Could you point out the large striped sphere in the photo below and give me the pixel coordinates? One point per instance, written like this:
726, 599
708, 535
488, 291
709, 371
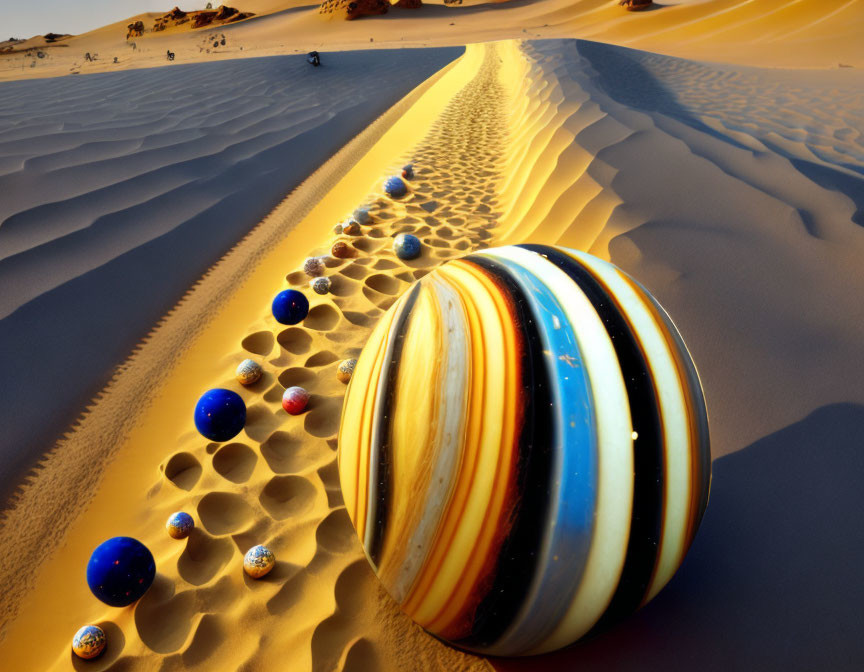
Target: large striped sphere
524, 449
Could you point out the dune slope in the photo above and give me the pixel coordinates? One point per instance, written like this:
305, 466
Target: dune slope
733, 193
120, 190
737, 196
277, 483
775, 33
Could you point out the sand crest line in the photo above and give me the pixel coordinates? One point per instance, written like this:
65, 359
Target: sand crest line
37, 509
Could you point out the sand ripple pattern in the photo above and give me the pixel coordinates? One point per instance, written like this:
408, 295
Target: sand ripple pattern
119, 190
810, 115
726, 192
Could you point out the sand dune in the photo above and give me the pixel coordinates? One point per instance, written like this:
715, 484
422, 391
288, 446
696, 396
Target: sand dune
734, 192
724, 190
736, 195
279, 481
747, 230
120, 190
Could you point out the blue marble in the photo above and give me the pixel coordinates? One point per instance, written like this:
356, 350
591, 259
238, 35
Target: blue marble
290, 307
220, 414
395, 187
120, 571
406, 246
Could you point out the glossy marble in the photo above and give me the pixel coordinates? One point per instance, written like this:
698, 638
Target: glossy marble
524, 449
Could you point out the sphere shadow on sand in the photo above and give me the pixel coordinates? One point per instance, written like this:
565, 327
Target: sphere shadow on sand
773, 579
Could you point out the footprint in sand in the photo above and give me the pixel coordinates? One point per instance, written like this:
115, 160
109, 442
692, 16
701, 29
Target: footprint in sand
203, 558
285, 454
224, 512
183, 470
335, 533
329, 647
322, 318
235, 461
259, 343
383, 283
287, 496
294, 340
322, 358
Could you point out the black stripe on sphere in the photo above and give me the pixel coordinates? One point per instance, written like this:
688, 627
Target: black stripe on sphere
700, 449
517, 559
383, 486
646, 523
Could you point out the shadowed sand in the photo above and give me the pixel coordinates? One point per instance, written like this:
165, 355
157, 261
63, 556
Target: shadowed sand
743, 219
120, 190
769, 582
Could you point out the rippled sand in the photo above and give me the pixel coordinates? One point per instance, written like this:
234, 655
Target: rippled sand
733, 192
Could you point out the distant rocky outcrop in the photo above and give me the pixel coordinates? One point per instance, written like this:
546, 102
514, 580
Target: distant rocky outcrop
636, 5
224, 13
354, 9
135, 29
50, 38
201, 18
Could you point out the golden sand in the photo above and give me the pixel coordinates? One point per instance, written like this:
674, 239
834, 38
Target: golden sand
277, 483
512, 144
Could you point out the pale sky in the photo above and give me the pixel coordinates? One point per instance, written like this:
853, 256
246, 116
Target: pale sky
26, 18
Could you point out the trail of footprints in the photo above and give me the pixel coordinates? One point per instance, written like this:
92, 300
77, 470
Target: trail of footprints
278, 484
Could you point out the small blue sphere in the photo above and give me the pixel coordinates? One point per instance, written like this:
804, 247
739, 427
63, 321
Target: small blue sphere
395, 187
290, 307
220, 414
406, 246
120, 571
